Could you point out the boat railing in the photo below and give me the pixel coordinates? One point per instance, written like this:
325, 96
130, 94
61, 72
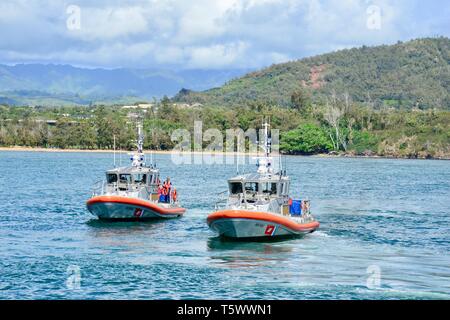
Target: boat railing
240, 201
305, 216
306, 211
144, 193
102, 187
98, 188
223, 200
274, 206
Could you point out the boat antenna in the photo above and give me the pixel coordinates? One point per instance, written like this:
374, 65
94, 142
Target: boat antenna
257, 144
237, 156
285, 165
267, 141
151, 152
138, 157
151, 158
279, 161
140, 142
114, 138
264, 163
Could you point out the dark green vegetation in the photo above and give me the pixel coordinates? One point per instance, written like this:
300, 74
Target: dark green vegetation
385, 100
340, 127
414, 74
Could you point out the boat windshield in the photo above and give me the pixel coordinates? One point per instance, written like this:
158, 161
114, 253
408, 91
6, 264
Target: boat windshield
266, 188
251, 187
111, 178
140, 178
235, 187
269, 188
125, 178
137, 178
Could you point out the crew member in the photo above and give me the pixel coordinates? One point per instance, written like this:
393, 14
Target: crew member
167, 188
174, 194
161, 195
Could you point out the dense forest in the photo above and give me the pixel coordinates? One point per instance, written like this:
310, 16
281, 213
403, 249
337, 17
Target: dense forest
414, 74
340, 127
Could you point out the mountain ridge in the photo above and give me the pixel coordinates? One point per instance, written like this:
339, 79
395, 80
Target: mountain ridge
408, 74
27, 84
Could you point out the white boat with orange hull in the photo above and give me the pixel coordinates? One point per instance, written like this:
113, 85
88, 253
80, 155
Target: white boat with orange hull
252, 224
131, 193
126, 208
258, 205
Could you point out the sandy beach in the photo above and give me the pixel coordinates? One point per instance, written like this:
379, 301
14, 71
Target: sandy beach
31, 149
252, 154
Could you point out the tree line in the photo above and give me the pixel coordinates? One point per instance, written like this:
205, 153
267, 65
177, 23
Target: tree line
336, 126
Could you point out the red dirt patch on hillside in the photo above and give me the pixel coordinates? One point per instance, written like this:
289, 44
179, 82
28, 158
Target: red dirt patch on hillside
315, 77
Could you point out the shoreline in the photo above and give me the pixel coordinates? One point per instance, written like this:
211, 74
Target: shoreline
319, 155
56, 150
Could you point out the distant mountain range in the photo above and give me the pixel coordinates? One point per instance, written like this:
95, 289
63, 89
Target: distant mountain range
41, 84
405, 75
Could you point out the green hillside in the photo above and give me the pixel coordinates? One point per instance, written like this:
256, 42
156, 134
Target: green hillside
405, 75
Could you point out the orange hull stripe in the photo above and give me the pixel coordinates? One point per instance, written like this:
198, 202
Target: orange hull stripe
135, 202
263, 216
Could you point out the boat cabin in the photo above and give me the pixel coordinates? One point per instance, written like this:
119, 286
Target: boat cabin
256, 187
132, 179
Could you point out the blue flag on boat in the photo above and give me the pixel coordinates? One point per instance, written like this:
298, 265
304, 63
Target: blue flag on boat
296, 208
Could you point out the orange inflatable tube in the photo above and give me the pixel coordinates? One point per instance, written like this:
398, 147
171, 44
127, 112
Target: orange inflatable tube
263, 216
135, 202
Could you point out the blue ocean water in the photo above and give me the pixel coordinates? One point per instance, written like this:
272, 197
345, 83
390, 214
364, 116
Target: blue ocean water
385, 234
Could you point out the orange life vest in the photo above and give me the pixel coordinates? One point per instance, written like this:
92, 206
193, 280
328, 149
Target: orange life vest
167, 186
174, 195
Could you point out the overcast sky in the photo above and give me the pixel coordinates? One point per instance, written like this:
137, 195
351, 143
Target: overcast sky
205, 34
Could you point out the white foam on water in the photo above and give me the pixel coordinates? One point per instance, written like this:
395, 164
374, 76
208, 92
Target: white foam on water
322, 234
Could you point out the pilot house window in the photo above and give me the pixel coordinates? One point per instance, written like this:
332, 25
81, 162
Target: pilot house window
111, 178
269, 188
125, 178
251, 187
235, 187
140, 178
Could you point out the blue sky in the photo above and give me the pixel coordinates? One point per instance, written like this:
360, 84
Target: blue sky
205, 34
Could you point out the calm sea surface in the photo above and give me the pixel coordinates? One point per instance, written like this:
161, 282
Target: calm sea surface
385, 234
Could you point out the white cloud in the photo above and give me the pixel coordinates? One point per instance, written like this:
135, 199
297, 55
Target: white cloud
110, 23
201, 21
216, 56
169, 54
204, 33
